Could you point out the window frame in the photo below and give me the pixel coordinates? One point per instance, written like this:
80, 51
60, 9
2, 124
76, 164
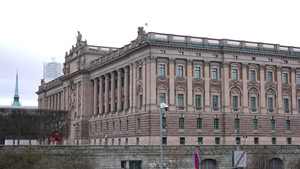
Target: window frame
179, 71
162, 70
214, 73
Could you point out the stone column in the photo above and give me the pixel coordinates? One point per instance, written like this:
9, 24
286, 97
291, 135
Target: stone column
49, 102
144, 80
226, 92
112, 92
106, 93
134, 82
95, 93
189, 71
130, 87
59, 100
262, 90
171, 84
294, 93
152, 84
101, 95
245, 88
279, 90
207, 71
126, 89
63, 99
119, 90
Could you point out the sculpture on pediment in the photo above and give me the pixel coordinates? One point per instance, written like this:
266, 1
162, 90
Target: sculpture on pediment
141, 35
79, 37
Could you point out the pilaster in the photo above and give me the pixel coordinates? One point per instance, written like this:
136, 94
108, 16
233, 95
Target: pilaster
171, 84
126, 89
106, 93
119, 104
207, 106
245, 88
152, 84
226, 92
112, 94
95, 92
101, 95
294, 93
189, 85
279, 90
262, 90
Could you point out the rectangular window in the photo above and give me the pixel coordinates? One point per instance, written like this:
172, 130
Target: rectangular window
162, 51
272, 124
216, 124
200, 140
217, 140
270, 103
285, 78
137, 141
285, 62
215, 102
256, 141
252, 75
140, 72
181, 123
113, 126
180, 53
273, 140
286, 104
139, 123
180, 100
299, 104
182, 141
120, 125
198, 101
237, 124
254, 124
161, 71
234, 74
270, 77
215, 55
162, 98
253, 103
197, 72
198, 54
164, 122
234, 102
288, 125
127, 125
289, 140
234, 57
270, 60
199, 123
298, 78
164, 141
214, 73
238, 140
253, 58
179, 71
141, 101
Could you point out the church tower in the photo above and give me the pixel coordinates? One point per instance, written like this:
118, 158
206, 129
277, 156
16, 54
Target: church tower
16, 96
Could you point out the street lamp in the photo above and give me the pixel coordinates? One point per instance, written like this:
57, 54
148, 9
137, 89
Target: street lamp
162, 106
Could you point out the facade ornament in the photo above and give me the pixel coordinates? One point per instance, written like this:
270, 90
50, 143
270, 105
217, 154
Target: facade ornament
206, 63
79, 38
72, 93
141, 35
244, 65
171, 60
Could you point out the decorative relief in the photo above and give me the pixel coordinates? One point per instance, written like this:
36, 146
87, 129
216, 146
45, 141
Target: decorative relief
270, 86
235, 83
286, 86
298, 87
253, 84
180, 80
198, 81
72, 94
214, 82
141, 35
162, 79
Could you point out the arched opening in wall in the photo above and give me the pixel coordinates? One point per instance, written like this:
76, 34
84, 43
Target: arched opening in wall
276, 163
209, 164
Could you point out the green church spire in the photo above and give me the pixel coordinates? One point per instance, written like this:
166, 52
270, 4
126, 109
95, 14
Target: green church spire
16, 96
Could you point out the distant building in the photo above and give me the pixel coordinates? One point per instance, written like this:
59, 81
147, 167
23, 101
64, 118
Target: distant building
218, 90
52, 70
16, 96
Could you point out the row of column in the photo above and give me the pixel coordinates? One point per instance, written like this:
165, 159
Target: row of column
55, 101
99, 94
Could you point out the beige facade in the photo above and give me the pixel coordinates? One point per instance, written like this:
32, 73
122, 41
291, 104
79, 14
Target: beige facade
219, 91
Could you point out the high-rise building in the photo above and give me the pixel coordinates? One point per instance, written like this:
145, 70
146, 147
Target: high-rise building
218, 90
52, 70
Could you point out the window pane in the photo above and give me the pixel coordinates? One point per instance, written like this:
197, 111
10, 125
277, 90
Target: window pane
288, 127
215, 102
216, 123
272, 124
270, 77
284, 78
179, 71
164, 122
235, 102
237, 124
200, 140
199, 123
254, 124
253, 103
252, 75
180, 100
141, 101
198, 101
286, 104
161, 70
214, 73
298, 78
234, 74
270, 103
197, 72
217, 140
181, 123
162, 98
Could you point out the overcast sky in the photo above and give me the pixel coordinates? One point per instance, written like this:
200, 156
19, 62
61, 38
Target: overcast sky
31, 32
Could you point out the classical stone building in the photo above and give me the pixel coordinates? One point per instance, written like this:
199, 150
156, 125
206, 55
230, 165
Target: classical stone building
219, 91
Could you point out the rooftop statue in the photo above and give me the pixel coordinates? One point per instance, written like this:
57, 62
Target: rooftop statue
141, 35
79, 37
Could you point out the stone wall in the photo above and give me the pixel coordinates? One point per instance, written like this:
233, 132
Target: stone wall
111, 157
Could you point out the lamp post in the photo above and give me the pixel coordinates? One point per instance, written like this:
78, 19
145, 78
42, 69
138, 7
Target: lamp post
162, 106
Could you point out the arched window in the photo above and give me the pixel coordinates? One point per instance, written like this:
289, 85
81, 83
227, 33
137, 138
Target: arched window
209, 164
276, 163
